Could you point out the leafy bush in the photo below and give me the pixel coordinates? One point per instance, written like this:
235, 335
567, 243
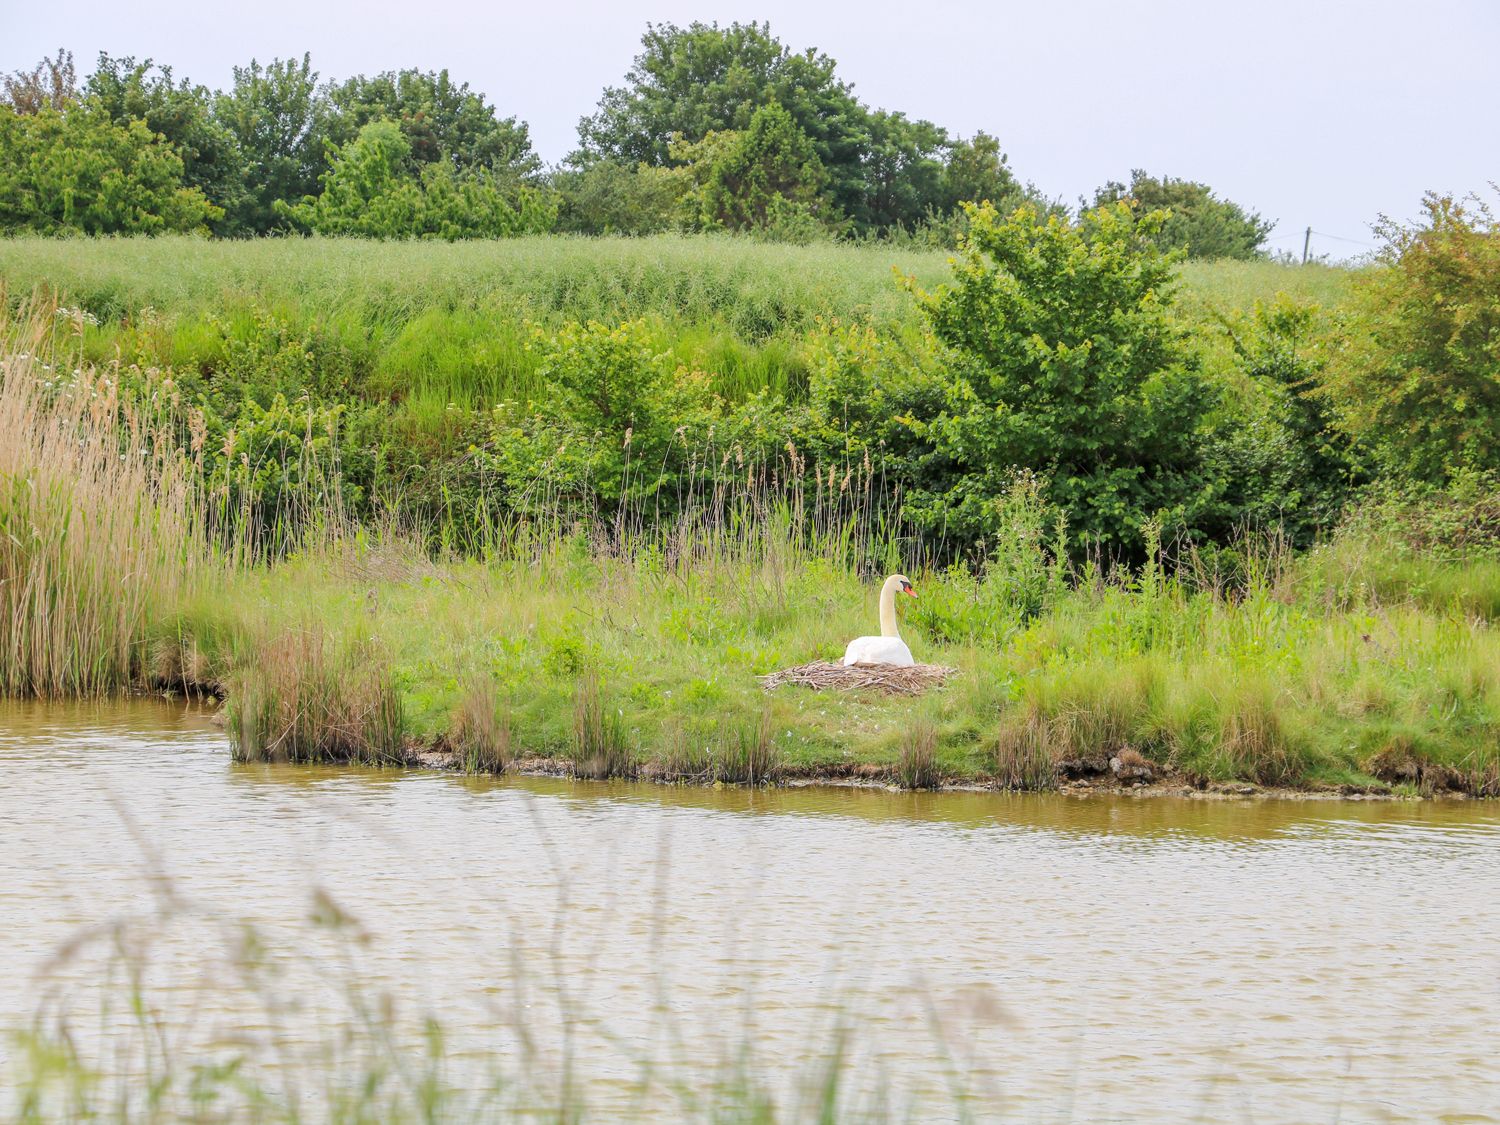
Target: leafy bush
768, 174
77, 170
1198, 222
1068, 366
614, 428
1284, 460
1418, 378
367, 191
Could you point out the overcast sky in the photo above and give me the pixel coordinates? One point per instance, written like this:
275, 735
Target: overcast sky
1312, 112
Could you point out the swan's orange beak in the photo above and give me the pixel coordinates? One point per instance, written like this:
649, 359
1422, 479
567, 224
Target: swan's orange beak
909, 590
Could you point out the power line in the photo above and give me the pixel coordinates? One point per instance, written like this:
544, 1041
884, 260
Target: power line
1321, 234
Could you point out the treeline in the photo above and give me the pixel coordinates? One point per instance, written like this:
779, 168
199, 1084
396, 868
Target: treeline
712, 129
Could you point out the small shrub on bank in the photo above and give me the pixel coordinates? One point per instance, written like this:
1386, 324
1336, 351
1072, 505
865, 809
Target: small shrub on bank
599, 748
302, 698
748, 755
916, 767
480, 731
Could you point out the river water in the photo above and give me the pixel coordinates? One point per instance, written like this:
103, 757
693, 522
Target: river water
1042, 958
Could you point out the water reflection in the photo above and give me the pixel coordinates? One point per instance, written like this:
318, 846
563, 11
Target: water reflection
1094, 958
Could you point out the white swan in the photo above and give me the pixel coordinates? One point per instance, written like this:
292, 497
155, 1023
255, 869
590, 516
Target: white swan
888, 648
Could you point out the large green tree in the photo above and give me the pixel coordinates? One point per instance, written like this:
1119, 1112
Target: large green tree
1198, 221
1067, 364
441, 119
183, 114
279, 120
977, 171
76, 170
688, 82
903, 171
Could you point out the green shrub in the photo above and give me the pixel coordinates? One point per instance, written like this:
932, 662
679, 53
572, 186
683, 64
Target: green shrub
1418, 378
368, 191
1070, 367
80, 171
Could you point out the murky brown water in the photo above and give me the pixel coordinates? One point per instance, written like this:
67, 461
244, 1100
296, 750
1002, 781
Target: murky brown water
1062, 959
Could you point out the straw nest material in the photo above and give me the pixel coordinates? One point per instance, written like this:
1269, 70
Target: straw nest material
893, 679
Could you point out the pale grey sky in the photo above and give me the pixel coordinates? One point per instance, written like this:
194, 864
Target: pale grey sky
1313, 112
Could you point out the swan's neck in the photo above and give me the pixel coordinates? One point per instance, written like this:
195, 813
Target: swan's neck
888, 611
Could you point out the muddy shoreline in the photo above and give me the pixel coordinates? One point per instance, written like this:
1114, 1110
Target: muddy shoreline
435, 754
438, 757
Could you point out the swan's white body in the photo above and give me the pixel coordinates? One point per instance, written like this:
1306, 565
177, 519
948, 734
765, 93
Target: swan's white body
888, 648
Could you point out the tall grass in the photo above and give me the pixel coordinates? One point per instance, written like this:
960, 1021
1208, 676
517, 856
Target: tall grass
305, 697
99, 526
754, 288
480, 730
600, 750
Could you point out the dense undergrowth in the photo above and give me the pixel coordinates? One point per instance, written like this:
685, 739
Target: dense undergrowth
456, 375
345, 622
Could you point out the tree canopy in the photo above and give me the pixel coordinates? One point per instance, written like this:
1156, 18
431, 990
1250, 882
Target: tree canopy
1197, 220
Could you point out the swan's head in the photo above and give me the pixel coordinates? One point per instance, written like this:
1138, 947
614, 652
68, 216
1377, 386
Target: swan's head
903, 584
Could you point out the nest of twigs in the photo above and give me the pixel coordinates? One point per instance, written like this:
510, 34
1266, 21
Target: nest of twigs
893, 679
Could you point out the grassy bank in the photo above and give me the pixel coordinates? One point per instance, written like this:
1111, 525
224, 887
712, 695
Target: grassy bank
449, 323
1299, 681
633, 644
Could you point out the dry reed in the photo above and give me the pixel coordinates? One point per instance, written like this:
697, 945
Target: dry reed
480, 730
97, 519
303, 699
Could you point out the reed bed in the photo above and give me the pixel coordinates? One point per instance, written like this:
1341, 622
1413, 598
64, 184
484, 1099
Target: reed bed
99, 525
305, 697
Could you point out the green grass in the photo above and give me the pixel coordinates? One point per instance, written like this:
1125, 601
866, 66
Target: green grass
1273, 687
754, 288
1229, 285
436, 324
1359, 665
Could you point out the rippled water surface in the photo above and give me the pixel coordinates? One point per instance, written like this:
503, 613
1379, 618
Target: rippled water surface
1058, 958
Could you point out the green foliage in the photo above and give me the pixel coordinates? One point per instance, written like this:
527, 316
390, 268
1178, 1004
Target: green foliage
1069, 367
904, 171
610, 430
1284, 460
279, 122
1198, 221
1418, 379
183, 115
442, 120
771, 164
368, 192
76, 170
609, 198
978, 172
688, 82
